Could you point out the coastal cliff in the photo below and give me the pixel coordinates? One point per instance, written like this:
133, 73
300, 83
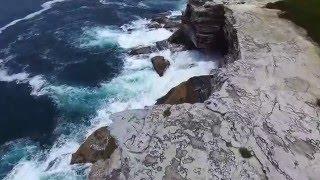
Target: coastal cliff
259, 121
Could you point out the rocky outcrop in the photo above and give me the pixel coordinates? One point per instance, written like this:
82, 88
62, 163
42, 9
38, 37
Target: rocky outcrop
208, 26
261, 120
160, 64
196, 89
205, 24
98, 146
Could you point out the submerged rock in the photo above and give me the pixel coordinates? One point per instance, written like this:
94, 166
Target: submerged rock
160, 64
159, 46
196, 89
98, 146
142, 50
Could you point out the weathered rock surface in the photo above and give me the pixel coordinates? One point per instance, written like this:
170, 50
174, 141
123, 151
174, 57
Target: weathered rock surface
183, 145
261, 123
98, 146
160, 64
208, 26
196, 89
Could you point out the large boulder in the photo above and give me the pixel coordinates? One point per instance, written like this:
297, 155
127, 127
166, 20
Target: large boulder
98, 146
160, 64
196, 89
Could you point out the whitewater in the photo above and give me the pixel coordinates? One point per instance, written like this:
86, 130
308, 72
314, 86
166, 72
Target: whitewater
136, 86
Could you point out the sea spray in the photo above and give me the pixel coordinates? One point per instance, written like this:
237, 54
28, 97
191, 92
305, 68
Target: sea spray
128, 36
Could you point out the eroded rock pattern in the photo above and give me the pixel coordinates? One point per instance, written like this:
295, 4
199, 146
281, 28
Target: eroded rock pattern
183, 145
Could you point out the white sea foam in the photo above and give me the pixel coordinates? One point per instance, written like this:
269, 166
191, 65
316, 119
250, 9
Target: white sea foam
4, 76
45, 6
143, 37
132, 89
129, 36
36, 82
137, 86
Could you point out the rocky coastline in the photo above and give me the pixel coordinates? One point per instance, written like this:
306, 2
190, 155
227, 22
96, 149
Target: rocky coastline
255, 117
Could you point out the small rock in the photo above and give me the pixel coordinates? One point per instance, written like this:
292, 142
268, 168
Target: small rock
98, 146
160, 64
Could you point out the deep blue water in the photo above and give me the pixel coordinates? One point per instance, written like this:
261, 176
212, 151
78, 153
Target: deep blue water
14, 9
50, 45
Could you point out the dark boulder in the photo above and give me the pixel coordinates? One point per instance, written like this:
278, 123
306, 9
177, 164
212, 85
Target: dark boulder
196, 89
98, 146
160, 64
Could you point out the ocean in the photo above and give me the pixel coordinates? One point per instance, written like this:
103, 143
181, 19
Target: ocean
64, 68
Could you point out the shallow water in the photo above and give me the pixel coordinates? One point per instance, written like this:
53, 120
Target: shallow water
68, 61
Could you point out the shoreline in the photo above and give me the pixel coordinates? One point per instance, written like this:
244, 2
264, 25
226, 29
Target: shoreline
259, 122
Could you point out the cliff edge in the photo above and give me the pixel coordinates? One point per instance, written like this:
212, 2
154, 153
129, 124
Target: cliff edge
261, 120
